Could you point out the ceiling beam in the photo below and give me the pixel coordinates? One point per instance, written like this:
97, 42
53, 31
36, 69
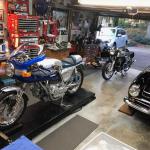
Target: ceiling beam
143, 14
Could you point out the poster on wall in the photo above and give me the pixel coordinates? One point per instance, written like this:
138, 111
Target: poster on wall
1, 14
61, 17
83, 23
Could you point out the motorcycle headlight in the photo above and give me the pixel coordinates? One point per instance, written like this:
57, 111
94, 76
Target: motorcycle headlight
10, 69
134, 90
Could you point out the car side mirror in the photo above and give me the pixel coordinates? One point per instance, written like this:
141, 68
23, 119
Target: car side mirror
119, 35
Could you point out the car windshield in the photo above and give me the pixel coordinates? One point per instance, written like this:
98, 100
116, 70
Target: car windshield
107, 32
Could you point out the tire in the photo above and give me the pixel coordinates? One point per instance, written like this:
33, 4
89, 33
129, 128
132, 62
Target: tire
76, 89
126, 45
104, 71
7, 99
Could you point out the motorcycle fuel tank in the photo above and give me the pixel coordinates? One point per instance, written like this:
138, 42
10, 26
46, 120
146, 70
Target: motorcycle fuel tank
50, 62
67, 73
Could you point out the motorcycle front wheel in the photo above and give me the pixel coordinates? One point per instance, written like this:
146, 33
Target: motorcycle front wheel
12, 108
126, 67
78, 80
107, 72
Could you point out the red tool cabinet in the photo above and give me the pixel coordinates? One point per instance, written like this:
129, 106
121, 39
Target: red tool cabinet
22, 29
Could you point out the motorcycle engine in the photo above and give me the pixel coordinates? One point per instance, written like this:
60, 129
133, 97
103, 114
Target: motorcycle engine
37, 91
119, 63
57, 91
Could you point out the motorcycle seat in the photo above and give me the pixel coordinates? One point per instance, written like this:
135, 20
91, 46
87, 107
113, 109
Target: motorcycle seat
71, 61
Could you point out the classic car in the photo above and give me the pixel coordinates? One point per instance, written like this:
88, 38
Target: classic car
139, 92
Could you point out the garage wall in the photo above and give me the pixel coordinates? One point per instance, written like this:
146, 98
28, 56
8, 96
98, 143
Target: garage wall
2, 6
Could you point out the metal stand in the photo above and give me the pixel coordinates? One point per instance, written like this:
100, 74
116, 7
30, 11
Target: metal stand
4, 139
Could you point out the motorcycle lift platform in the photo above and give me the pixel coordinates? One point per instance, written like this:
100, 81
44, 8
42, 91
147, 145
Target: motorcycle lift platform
40, 116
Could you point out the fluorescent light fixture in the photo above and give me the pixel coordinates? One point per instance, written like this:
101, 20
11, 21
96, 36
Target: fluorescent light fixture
116, 3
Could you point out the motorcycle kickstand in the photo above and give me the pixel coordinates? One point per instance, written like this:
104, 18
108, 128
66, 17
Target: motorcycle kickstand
65, 106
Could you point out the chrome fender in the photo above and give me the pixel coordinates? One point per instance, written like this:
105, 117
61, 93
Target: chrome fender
11, 89
14, 89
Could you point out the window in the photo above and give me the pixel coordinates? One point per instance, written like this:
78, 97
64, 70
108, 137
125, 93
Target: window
119, 31
123, 32
107, 32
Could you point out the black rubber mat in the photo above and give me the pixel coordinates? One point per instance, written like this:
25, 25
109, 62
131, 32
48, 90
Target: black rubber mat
41, 116
69, 135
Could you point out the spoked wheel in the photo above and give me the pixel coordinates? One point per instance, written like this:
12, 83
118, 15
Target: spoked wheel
77, 81
12, 107
107, 71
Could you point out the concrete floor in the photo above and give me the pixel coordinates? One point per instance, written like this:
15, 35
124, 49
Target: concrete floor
142, 55
104, 111
132, 130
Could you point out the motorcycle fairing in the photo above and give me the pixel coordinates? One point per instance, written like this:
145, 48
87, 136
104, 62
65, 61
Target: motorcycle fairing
37, 78
24, 66
41, 74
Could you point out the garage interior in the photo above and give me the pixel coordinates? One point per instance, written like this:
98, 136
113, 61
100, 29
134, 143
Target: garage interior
106, 114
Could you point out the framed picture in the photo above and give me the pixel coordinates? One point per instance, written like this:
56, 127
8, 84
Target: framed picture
62, 17
1, 14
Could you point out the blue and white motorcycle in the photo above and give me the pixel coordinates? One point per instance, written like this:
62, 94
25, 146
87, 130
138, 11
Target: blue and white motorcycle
48, 79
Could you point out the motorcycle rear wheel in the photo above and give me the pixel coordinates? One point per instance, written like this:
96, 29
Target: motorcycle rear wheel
11, 110
106, 72
79, 77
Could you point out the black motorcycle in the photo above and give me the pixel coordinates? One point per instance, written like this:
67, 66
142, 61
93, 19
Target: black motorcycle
120, 60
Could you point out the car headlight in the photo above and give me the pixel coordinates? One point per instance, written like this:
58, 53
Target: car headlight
134, 90
10, 69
